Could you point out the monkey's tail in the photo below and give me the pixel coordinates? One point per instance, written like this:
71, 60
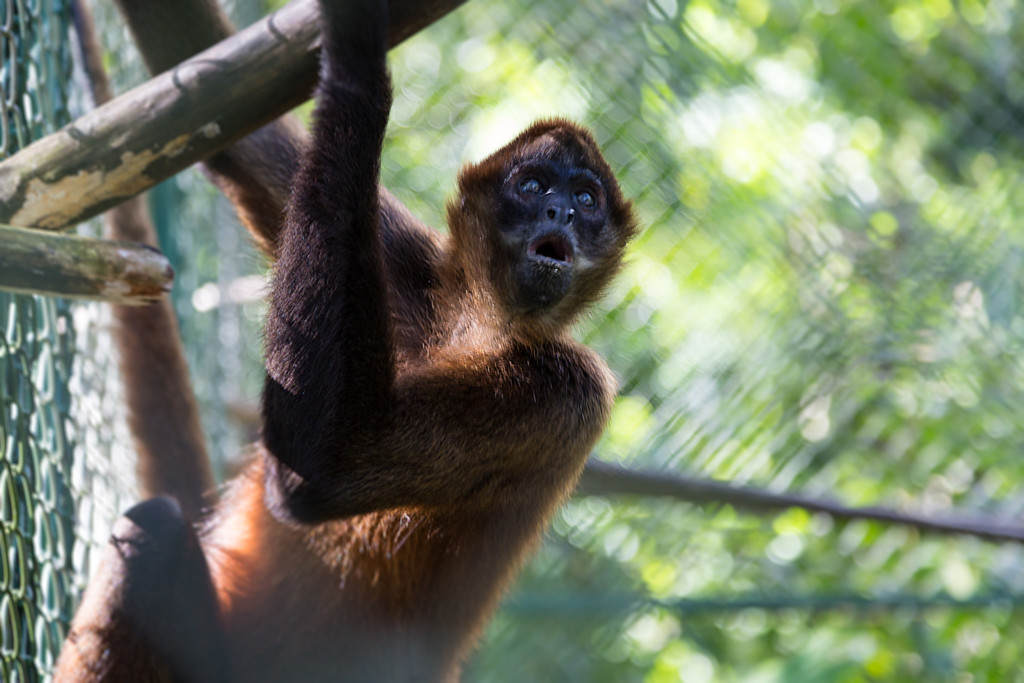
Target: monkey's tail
162, 413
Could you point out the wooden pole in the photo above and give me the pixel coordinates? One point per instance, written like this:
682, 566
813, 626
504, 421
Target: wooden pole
39, 262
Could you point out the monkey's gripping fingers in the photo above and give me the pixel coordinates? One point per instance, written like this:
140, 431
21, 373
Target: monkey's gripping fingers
349, 14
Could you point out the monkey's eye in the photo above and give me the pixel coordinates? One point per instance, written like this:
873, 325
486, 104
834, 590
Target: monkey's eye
531, 185
585, 198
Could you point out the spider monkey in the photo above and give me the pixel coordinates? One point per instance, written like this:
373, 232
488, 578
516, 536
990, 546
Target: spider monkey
424, 413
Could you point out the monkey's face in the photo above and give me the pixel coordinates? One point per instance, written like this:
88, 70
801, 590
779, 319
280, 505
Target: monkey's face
552, 218
550, 222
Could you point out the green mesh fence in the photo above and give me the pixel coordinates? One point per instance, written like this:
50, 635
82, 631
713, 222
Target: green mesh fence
36, 350
826, 300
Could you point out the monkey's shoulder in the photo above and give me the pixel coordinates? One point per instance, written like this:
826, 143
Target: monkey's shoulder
551, 381
565, 379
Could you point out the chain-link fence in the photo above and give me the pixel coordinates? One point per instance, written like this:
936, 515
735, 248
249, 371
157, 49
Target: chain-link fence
37, 576
825, 302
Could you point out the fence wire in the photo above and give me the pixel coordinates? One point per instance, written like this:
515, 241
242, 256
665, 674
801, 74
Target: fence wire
826, 299
37, 539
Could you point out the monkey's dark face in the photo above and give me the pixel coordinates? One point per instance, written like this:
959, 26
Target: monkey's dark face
552, 217
549, 224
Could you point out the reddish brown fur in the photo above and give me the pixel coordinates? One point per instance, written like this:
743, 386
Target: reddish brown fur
422, 420
393, 595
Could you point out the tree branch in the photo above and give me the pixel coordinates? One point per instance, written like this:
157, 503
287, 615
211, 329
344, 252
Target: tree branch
603, 479
39, 262
176, 119
588, 606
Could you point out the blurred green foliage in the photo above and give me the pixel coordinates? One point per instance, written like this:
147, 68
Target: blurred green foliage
826, 299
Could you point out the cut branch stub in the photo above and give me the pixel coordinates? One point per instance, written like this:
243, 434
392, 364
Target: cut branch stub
40, 262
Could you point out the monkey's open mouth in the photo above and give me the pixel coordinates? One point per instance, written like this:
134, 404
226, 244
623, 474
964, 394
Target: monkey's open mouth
553, 248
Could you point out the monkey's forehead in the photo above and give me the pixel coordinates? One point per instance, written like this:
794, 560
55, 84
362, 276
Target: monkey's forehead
556, 143
568, 151
562, 142
545, 145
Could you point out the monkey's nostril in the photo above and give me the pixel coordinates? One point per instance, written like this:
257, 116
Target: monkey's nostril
552, 213
569, 215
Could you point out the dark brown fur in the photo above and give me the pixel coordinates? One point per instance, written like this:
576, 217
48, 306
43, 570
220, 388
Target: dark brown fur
424, 414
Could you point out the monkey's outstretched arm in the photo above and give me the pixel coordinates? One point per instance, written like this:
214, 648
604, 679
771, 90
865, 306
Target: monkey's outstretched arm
330, 358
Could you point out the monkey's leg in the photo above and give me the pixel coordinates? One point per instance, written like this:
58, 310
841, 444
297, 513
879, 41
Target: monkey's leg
256, 172
150, 612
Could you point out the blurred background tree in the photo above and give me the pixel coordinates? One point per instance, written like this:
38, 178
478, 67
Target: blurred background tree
826, 299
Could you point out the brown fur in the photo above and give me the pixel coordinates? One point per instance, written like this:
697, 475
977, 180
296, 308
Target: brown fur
424, 415
389, 596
